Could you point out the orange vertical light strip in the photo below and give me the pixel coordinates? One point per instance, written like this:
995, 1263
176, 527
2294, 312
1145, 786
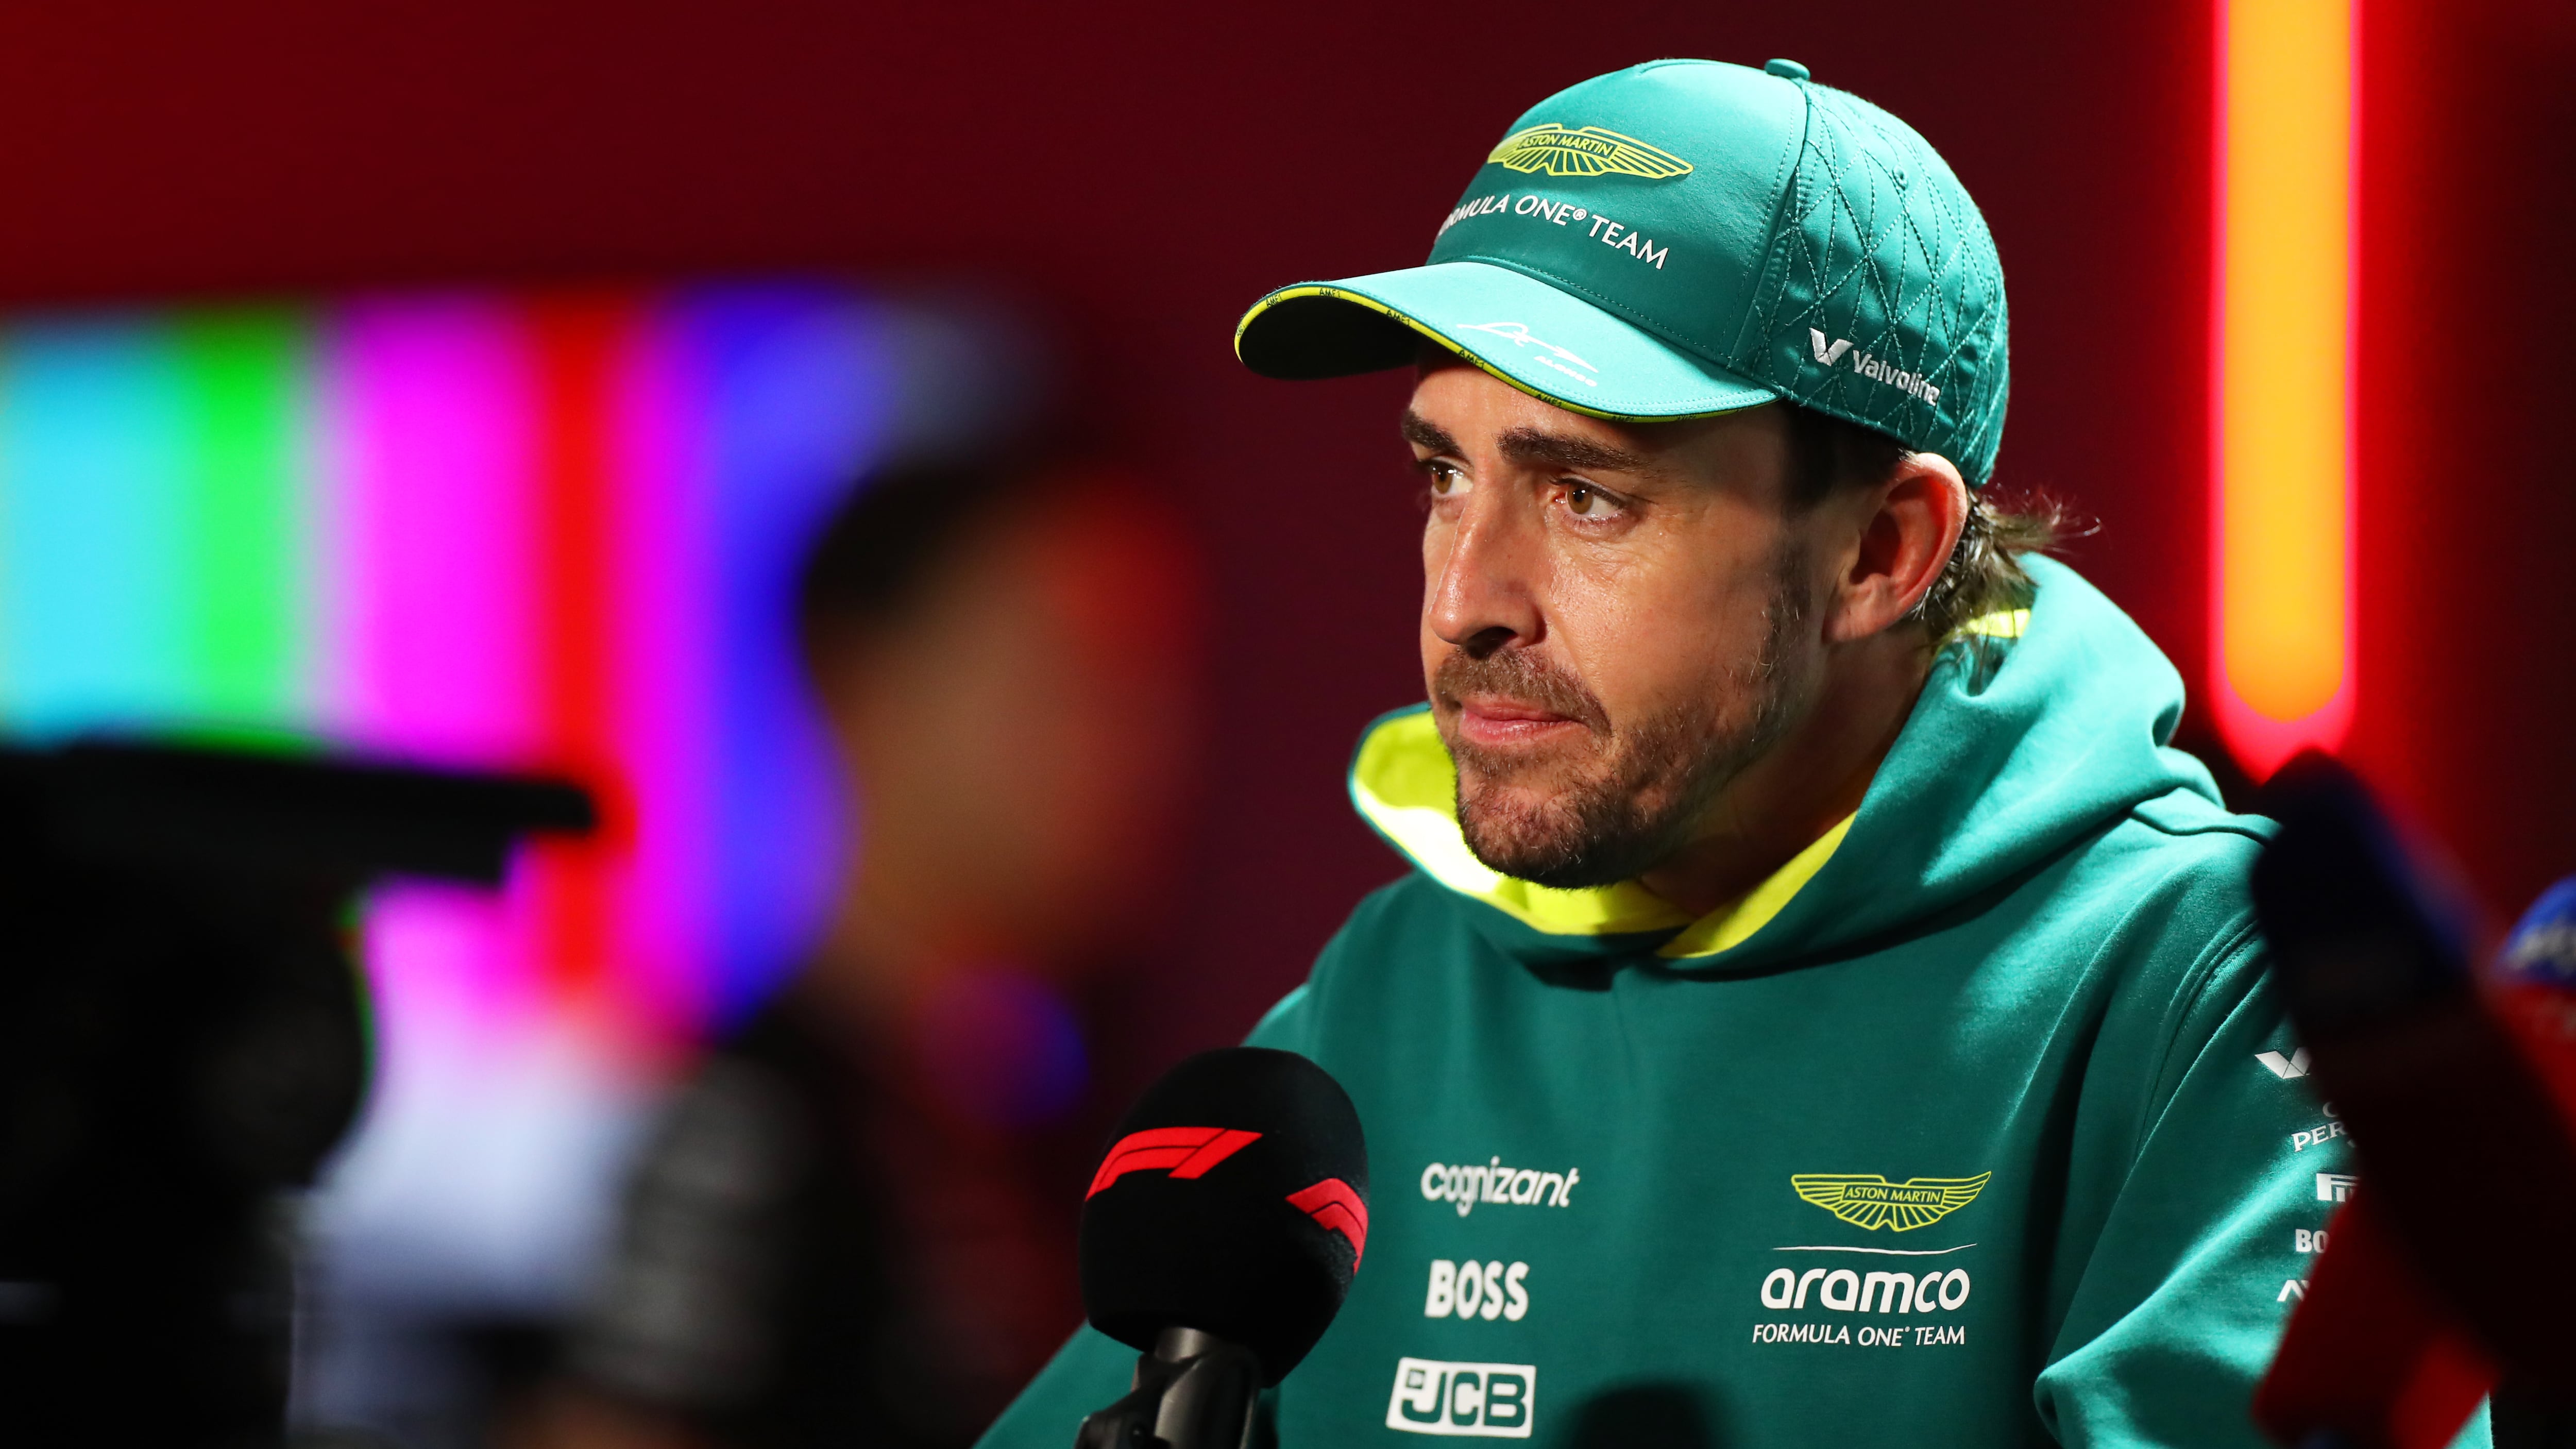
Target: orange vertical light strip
2281, 511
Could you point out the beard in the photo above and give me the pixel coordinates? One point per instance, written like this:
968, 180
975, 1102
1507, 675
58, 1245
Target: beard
1620, 802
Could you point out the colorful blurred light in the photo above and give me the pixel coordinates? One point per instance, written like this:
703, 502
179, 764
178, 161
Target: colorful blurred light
544, 532
2281, 510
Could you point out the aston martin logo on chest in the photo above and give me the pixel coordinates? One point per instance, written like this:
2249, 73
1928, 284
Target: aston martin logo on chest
1870, 1201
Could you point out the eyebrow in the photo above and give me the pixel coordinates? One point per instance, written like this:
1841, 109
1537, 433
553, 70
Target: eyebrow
1421, 432
1557, 450
1529, 446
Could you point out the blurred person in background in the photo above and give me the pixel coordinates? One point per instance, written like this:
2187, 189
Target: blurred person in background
852, 1226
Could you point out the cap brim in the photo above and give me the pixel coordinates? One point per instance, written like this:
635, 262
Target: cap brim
1539, 339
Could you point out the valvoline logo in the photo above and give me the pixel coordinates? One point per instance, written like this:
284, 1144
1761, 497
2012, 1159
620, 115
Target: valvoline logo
1192, 1152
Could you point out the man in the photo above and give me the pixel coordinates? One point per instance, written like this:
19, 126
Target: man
848, 1229
1822, 1010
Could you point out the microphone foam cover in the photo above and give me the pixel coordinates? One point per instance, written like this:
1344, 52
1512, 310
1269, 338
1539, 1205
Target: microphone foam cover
1233, 1199
2362, 927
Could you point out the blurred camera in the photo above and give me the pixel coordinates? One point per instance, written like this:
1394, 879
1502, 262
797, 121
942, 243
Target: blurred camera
184, 1036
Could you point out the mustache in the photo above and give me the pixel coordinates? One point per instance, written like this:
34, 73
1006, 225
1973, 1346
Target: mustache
1522, 678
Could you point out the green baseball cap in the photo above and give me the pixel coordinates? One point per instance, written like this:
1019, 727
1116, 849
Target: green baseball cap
1684, 238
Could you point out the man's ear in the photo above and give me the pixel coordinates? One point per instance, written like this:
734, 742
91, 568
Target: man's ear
1907, 529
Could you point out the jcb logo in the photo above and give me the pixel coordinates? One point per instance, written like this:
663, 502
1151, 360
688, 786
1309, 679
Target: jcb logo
1485, 1400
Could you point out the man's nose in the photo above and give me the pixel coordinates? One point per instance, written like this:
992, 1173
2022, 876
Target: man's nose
1483, 592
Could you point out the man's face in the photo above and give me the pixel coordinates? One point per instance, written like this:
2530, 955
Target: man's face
1614, 620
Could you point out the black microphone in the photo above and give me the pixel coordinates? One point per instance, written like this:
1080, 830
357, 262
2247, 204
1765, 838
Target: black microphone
1219, 1237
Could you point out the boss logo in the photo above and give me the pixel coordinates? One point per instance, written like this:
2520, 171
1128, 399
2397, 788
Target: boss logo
1482, 1400
1477, 1290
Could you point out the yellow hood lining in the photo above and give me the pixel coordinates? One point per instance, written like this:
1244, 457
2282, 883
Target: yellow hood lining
1404, 783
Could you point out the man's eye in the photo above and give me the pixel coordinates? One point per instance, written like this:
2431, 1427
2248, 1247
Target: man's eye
1584, 501
1445, 479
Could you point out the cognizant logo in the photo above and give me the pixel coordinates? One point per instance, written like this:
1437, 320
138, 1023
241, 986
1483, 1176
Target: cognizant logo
1467, 1184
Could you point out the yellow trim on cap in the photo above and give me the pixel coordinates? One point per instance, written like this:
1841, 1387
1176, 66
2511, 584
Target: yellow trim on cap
1344, 294
1405, 784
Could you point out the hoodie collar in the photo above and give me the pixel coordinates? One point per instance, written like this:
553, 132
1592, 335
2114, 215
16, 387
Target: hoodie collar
1404, 783
2035, 728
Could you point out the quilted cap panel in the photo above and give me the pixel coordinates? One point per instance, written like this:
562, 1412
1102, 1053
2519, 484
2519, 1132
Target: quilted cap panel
1882, 298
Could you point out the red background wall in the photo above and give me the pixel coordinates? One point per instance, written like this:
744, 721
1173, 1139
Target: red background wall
1150, 170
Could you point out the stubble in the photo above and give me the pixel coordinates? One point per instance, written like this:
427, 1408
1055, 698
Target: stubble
1627, 797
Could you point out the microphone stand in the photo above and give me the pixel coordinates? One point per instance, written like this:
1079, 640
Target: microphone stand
1193, 1391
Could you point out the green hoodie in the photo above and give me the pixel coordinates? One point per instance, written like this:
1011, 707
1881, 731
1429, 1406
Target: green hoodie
1977, 1124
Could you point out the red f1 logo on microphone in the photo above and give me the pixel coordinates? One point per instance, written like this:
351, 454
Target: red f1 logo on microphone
1335, 1207
1187, 1151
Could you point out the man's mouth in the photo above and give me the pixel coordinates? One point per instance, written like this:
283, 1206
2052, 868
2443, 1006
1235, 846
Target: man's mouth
1494, 722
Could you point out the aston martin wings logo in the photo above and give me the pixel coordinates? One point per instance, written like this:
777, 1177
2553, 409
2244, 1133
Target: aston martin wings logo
1590, 151
1873, 1202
